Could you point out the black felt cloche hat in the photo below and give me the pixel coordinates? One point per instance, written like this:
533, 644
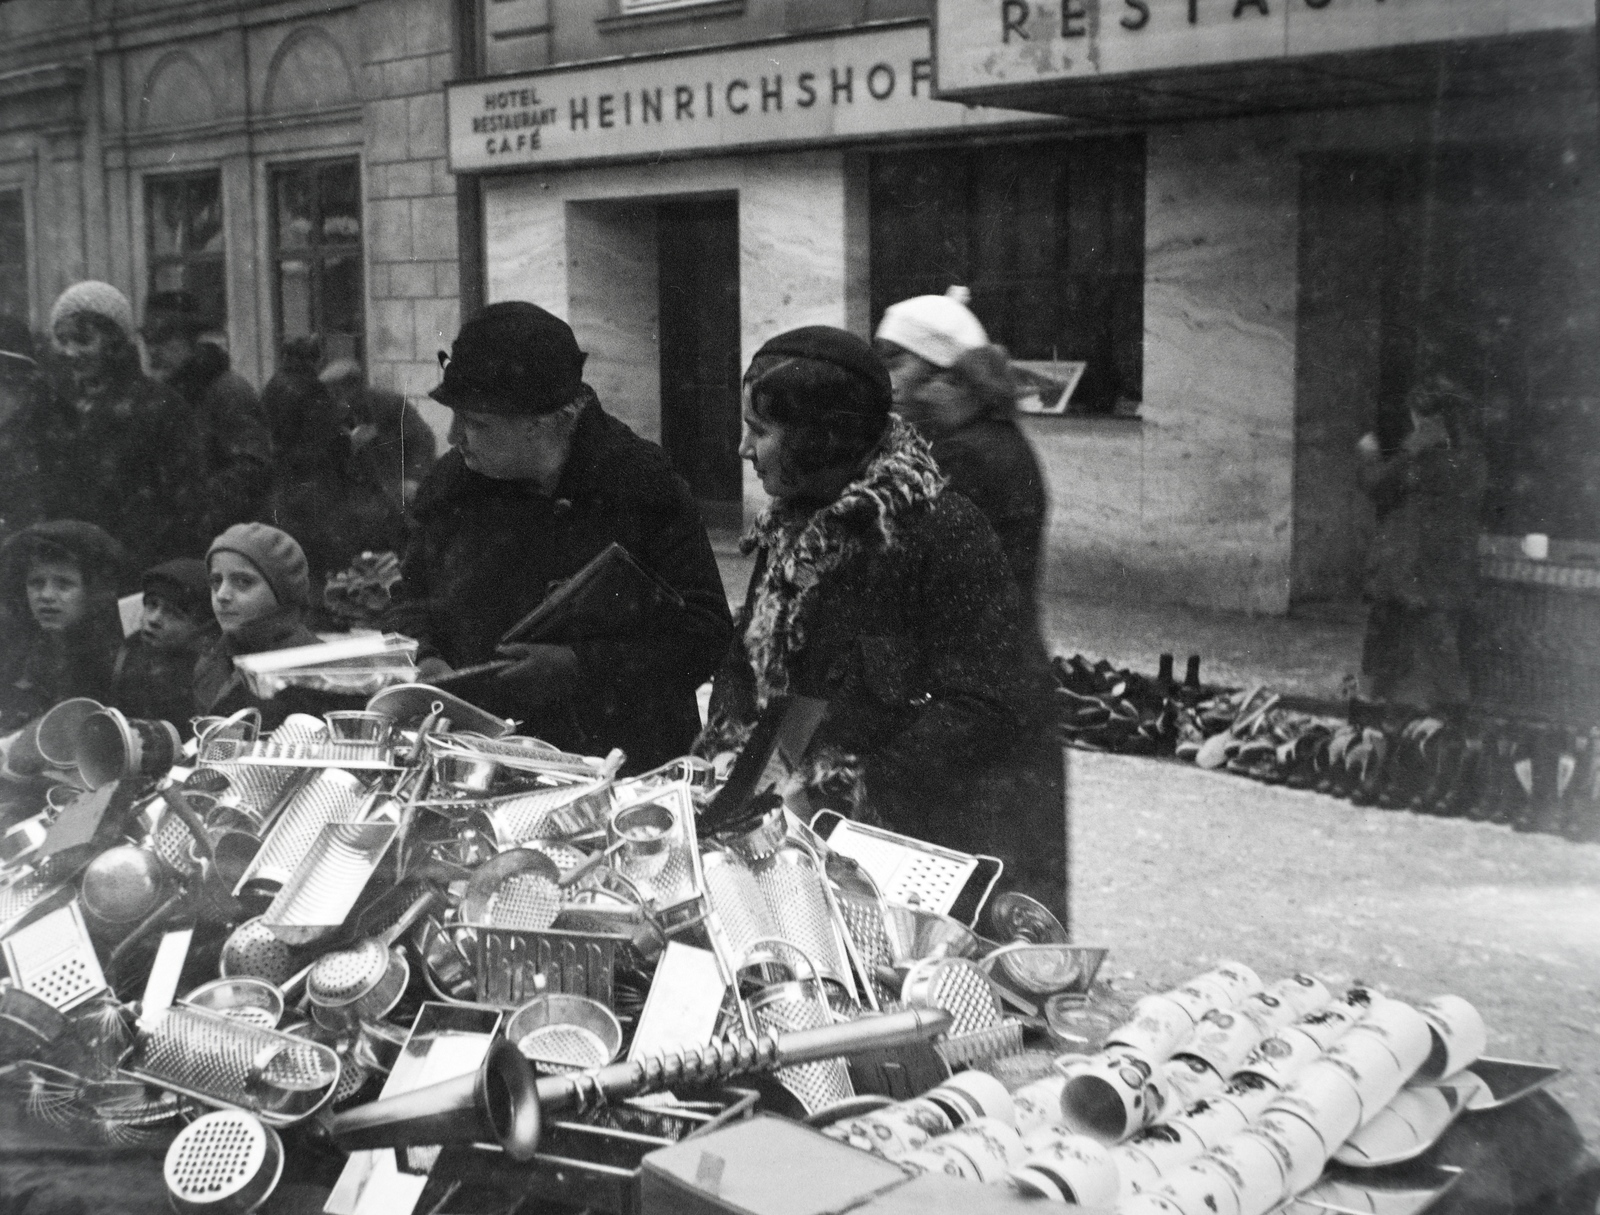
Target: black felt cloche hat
512, 358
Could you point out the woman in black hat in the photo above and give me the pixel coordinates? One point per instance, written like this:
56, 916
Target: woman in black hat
880, 593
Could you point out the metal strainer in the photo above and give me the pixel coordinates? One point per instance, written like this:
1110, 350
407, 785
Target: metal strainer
516, 890
253, 949
563, 1032
226, 1162
957, 986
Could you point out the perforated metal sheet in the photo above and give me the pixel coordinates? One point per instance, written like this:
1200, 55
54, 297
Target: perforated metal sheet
815, 1085
173, 842
253, 949
255, 786
732, 890
792, 887
669, 883
961, 989
347, 974
330, 878
545, 814
564, 1047
22, 894
331, 797
997, 1042
906, 870
278, 1077
526, 902
220, 1156
54, 959
863, 918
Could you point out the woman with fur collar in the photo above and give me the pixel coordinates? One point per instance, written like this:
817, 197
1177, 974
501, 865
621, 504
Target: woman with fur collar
886, 596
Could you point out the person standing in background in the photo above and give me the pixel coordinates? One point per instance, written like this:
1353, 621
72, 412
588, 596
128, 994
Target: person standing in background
955, 387
389, 434
329, 501
24, 394
116, 448
1423, 561
237, 444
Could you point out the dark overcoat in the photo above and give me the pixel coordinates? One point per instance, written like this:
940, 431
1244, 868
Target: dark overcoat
233, 431
484, 552
937, 690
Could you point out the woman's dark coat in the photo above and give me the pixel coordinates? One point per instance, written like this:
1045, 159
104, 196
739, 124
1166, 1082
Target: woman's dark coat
937, 690
234, 433
484, 552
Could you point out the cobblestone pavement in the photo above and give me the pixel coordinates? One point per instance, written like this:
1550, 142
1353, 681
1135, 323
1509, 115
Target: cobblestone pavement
1175, 869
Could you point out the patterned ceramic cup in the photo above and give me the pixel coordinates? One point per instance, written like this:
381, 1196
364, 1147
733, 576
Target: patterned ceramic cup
1458, 1033
1069, 1168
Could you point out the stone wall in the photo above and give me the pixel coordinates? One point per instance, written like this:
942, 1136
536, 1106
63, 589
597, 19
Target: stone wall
413, 266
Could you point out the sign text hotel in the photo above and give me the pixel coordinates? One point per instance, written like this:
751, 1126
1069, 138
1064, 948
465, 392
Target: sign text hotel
849, 85
985, 44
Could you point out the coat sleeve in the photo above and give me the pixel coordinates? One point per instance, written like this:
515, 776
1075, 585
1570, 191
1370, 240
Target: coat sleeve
683, 647
974, 656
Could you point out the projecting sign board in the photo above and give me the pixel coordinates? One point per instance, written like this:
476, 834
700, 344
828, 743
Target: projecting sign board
865, 82
997, 44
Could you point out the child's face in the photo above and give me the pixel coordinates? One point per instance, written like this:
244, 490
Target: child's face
56, 594
165, 627
239, 594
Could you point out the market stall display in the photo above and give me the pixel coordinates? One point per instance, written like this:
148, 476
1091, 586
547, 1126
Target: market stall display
495, 974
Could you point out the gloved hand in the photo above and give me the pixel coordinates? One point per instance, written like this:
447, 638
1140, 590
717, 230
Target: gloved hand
543, 674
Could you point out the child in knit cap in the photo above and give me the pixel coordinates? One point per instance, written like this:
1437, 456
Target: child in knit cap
260, 594
154, 678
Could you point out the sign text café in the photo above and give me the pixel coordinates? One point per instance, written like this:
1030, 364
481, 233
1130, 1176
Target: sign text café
862, 82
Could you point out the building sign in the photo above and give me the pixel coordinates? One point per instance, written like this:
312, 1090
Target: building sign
985, 44
866, 82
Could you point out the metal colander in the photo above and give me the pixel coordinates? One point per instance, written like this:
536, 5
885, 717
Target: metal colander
328, 881
330, 796
959, 987
516, 890
253, 949
224, 1162
731, 889
204, 1055
564, 1048
54, 959
787, 1007
348, 974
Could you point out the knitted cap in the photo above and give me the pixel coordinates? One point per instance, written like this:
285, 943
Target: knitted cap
839, 347
939, 328
101, 299
185, 581
512, 358
275, 553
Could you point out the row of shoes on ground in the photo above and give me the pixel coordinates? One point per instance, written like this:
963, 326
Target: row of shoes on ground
1531, 776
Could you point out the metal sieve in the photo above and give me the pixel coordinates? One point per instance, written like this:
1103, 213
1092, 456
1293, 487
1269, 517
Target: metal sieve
563, 1032
731, 889
365, 982
226, 1163
254, 949
251, 1001
516, 890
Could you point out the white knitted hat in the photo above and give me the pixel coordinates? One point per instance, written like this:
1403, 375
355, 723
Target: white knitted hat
102, 299
939, 328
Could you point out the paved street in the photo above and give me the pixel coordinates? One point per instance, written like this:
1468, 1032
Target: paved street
1175, 868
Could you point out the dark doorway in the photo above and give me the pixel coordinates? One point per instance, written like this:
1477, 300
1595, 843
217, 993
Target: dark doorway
698, 243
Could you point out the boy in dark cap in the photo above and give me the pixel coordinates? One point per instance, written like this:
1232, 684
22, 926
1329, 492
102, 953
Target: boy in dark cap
539, 481
154, 676
233, 430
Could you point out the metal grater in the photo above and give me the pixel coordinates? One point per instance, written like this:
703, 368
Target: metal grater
786, 1008
256, 787
731, 888
564, 1048
331, 796
54, 959
792, 888
675, 884
328, 881
905, 869
201, 1054
226, 1161
542, 814
960, 988
317, 753
24, 893
507, 966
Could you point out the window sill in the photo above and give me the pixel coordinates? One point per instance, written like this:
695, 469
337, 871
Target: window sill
694, 12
